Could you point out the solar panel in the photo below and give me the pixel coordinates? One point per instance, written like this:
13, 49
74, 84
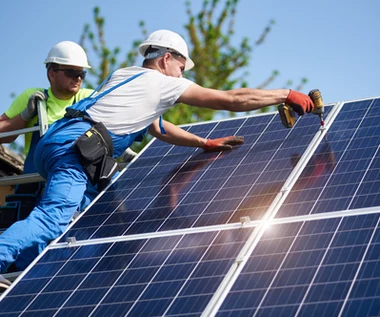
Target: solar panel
284, 225
188, 188
327, 267
344, 172
171, 275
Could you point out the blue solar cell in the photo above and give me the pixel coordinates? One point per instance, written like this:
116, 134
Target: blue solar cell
310, 268
144, 277
189, 188
342, 173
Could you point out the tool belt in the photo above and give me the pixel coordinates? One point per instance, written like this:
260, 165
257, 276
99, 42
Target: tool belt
94, 149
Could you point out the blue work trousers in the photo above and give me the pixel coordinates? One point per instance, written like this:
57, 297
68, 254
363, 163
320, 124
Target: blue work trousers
66, 184
27, 255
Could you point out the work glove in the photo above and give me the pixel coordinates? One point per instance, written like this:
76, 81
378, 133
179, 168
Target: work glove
299, 102
127, 156
222, 144
31, 109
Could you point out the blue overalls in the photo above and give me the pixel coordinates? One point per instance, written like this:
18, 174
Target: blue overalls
66, 184
34, 189
29, 167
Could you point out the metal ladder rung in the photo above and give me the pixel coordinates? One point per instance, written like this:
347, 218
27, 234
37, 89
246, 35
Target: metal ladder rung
21, 131
42, 127
42, 119
20, 179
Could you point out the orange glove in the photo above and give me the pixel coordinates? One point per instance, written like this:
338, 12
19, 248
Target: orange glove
223, 144
300, 102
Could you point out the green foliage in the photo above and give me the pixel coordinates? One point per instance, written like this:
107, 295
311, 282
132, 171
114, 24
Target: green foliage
210, 32
107, 58
17, 148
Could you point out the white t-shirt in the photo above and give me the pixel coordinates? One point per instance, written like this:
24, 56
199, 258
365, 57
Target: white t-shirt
137, 104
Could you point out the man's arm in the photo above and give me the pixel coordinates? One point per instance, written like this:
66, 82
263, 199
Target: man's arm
7, 124
177, 136
20, 121
244, 99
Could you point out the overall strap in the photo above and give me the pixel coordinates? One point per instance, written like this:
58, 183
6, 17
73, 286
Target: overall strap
72, 113
100, 85
97, 97
46, 92
88, 102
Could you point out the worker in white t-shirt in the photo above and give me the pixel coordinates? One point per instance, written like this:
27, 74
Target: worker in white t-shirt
65, 156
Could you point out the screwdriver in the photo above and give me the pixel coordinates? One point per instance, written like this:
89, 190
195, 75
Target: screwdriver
288, 117
319, 108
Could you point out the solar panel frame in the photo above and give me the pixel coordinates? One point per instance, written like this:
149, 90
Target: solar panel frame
271, 218
332, 181
196, 200
68, 276
277, 266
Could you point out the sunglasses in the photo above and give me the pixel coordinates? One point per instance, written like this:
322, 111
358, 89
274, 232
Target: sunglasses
177, 54
73, 73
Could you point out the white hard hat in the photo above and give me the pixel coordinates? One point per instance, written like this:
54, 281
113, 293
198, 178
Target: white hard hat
67, 53
169, 40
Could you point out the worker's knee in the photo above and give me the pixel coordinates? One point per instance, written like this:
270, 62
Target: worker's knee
50, 224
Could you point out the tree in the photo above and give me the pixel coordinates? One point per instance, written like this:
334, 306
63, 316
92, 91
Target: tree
216, 59
108, 58
219, 64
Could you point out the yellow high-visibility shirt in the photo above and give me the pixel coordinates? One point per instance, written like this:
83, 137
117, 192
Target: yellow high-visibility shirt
55, 108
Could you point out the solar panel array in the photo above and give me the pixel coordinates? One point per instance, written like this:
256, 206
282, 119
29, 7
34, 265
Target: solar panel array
284, 225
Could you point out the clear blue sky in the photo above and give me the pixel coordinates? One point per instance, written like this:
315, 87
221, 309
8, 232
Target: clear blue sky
333, 43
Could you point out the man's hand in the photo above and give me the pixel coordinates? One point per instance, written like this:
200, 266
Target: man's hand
127, 156
31, 109
300, 102
222, 144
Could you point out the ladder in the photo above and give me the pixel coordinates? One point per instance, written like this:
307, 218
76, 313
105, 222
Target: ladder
42, 128
31, 177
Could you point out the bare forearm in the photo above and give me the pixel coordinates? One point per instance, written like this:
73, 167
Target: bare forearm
7, 125
236, 100
247, 99
177, 136
8, 139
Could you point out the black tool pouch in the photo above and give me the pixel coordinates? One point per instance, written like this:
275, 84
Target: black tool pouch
95, 150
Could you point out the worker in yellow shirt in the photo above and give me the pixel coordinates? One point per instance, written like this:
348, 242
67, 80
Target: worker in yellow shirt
65, 65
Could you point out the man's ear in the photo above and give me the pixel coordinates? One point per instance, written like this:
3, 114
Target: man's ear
164, 60
50, 74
